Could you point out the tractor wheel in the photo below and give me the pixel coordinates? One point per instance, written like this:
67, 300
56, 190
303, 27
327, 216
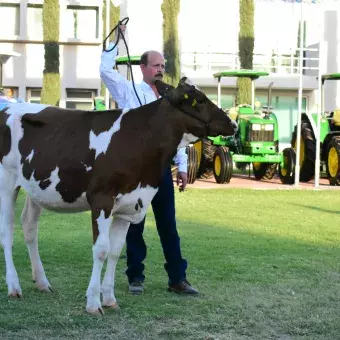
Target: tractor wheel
287, 171
307, 151
333, 161
207, 158
264, 170
223, 165
199, 148
192, 163
208, 150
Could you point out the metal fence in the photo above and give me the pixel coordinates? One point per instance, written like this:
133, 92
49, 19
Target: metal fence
275, 63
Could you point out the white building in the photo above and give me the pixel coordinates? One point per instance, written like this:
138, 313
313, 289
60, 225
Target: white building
80, 48
208, 33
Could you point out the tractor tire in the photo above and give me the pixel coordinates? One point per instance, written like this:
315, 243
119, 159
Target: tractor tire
207, 158
307, 151
287, 171
264, 170
223, 165
192, 163
199, 148
333, 161
208, 150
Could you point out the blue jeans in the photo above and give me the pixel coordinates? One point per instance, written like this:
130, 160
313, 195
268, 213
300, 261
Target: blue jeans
163, 205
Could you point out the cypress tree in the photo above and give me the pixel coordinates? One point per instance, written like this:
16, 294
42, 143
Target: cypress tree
170, 10
246, 49
50, 93
114, 18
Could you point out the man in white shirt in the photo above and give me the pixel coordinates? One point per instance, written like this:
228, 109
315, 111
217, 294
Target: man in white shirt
152, 66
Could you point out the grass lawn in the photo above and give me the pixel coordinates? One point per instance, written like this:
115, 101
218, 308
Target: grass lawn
267, 265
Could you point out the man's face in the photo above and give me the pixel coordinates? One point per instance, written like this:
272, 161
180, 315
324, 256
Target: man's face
154, 70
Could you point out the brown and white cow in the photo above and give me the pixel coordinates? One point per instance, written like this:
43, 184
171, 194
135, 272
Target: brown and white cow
109, 162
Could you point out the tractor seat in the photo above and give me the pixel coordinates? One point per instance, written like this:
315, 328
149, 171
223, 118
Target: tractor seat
233, 113
336, 117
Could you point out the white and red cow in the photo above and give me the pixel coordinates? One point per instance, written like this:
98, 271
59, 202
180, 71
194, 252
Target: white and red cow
109, 162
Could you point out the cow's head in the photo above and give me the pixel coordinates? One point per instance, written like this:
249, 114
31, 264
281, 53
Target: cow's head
203, 118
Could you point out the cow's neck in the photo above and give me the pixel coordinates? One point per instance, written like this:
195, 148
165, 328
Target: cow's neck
154, 133
168, 128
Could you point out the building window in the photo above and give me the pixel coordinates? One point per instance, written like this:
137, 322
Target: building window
9, 20
80, 99
34, 95
82, 22
34, 21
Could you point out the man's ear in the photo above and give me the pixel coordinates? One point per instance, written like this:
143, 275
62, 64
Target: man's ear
163, 88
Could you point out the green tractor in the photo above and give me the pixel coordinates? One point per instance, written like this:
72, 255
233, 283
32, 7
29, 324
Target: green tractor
256, 142
329, 144
191, 150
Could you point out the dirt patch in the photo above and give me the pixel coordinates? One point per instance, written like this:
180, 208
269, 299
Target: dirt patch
244, 181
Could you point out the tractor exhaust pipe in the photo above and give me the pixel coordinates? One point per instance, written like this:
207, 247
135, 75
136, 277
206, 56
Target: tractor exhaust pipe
269, 99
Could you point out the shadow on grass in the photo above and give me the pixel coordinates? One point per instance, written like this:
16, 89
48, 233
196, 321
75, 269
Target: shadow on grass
329, 211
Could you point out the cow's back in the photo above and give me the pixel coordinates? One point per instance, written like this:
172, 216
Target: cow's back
53, 158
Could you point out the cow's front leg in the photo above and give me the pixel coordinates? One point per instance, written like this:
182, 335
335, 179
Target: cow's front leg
118, 233
101, 222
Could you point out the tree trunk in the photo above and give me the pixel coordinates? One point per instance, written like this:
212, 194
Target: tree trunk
50, 93
170, 10
246, 49
114, 18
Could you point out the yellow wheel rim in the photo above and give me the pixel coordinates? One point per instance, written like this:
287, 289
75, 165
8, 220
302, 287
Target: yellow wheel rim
284, 170
302, 151
257, 165
333, 162
217, 165
199, 146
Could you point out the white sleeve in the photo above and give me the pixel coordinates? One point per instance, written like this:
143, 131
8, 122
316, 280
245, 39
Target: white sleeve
118, 86
181, 160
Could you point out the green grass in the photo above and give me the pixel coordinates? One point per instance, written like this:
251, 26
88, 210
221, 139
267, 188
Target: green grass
267, 264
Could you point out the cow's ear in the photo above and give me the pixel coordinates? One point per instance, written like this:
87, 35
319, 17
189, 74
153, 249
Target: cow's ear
163, 88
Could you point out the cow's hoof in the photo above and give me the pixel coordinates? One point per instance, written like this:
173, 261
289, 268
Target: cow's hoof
15, 294
112, 306
14, 291
95, 311
45, 289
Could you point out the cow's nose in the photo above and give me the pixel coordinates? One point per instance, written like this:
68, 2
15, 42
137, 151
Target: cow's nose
235, 125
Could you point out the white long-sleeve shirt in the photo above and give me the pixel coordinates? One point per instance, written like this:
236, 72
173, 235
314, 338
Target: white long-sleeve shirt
123, 93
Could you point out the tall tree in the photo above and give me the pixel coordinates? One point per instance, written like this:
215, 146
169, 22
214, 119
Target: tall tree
246, 49
51, 77
114, 18
170, 10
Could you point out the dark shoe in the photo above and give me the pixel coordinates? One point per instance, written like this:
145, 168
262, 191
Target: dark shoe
183, 287
136, 287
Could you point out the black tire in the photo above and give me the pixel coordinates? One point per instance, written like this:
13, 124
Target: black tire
287, 171
222, 165
207, 158
208, 150
264, 170
307, 152
333, 161
192, 163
